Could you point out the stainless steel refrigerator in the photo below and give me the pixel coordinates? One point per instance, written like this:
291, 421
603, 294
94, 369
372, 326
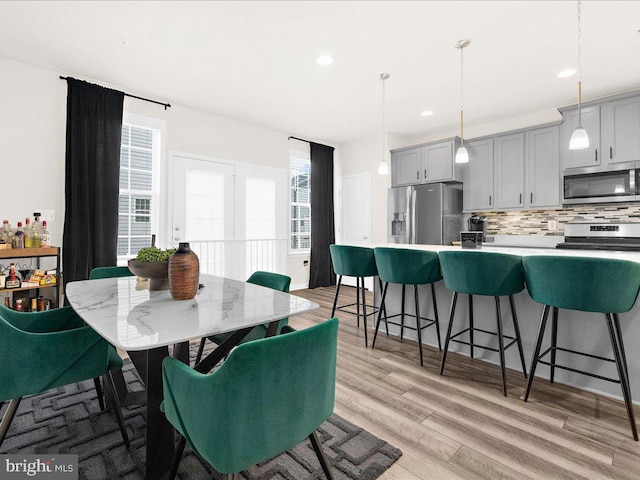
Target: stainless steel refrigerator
428, 214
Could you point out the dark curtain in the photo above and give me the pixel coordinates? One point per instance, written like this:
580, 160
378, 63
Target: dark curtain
321, 272
92, 173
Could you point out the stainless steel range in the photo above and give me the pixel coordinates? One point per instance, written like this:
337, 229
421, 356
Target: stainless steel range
601, 236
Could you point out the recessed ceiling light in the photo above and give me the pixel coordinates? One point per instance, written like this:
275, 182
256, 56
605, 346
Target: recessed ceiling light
427, 113
566, 73
324, 60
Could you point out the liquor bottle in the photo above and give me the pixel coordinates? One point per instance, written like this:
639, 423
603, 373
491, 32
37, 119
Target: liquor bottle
18, 237
28, 234
44, 236
7, 302
37, 224
12, 281
36, 239
6, 233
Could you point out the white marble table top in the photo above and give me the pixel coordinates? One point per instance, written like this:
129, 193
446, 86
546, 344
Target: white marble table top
130, 317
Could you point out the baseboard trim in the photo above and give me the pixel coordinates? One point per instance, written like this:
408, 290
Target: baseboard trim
299, 286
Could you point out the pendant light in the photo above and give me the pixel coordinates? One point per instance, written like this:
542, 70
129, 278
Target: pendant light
383, 167
462, 156
579, 138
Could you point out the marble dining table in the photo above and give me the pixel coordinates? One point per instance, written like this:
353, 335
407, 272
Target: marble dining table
145, 323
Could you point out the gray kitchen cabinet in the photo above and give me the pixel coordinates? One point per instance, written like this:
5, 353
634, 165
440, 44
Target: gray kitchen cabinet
509, 171
621, 130
428, 163
406, 166
478, 178
543, 168
588, 157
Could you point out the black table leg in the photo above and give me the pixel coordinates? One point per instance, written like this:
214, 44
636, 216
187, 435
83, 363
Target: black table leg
160, 433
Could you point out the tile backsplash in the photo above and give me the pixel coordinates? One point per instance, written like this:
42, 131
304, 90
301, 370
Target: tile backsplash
537, 222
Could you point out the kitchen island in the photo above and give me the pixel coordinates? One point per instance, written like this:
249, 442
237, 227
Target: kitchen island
586, 332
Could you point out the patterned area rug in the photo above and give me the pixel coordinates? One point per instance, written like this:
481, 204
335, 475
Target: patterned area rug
69, 420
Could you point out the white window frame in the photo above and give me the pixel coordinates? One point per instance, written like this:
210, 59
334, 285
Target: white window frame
302, 156
158, 128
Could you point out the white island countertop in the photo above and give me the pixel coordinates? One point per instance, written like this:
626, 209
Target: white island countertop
523, 251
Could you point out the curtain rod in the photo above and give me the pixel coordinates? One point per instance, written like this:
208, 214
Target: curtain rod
301, 139
165, 105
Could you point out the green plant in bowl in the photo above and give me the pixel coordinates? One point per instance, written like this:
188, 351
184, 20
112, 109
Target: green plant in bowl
152, 263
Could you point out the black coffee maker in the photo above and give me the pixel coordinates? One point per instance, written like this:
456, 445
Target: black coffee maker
478, 223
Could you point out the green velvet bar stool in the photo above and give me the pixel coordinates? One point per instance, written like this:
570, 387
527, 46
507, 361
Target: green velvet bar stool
487, 274
596, 285
359, 262
408, 267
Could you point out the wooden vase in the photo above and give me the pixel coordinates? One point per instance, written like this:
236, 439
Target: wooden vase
184, 273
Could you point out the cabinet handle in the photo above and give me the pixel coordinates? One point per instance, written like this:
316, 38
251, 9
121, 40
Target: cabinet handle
520, 199
418, 175
610, 153
596, 154
531, 197
425, 173
489, 199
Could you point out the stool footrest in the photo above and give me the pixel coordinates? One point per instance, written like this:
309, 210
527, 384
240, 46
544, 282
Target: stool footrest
453, 339
575, 370
373, 308
408, 327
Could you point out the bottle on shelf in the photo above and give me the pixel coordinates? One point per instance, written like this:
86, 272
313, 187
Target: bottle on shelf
44, 236
18, 237
37, 224
6, 234
12, 281
28, 234
7, 302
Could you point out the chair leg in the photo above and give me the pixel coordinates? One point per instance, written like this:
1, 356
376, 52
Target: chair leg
98, 385
554, 338
471, 325
382, 300
624, 380
335, 299
616, 324
454, 299
358, 301
117, 408
7, 418
536, 352
418, 323
232, 476
384, 310
324, 463
364, 311
501, 347
404, 287
203, 340
435, 314
516, 328
177, 457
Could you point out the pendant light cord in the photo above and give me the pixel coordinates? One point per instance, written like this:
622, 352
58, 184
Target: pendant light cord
579, 64
462, 96
384, 159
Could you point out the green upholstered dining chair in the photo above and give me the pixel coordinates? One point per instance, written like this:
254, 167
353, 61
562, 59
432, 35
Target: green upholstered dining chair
109, 272
44, 350
596, 285
268, 396
271, 280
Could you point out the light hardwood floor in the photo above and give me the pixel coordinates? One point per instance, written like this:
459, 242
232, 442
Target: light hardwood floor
459, 426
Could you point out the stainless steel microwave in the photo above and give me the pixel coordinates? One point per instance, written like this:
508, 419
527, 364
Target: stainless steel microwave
587, 186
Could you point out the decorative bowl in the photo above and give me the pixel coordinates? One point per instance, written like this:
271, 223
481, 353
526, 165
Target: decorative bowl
156, 272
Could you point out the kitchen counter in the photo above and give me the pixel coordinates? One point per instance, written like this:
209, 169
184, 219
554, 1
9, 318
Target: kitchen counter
580, 331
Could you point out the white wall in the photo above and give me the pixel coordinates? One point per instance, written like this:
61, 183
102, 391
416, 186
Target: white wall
363, 156
32, 144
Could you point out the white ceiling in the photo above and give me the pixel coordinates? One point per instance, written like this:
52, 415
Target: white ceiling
255, 61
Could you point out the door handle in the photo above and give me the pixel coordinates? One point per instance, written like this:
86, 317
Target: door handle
489, 199
418, 175
520, 199
425, 173
531, 197
596, 154
610, 153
